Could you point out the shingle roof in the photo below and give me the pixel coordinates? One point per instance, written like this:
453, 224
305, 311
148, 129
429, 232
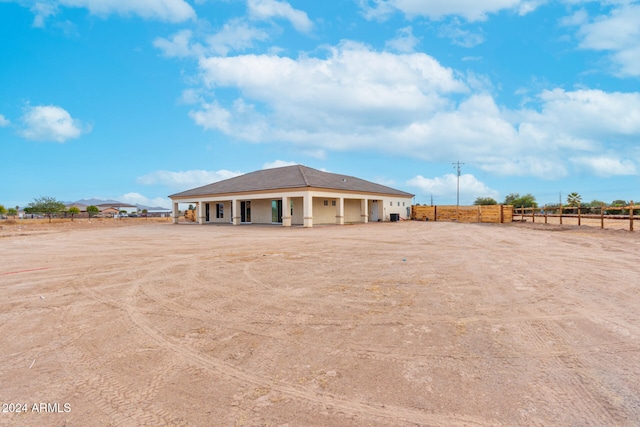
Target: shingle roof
297, 176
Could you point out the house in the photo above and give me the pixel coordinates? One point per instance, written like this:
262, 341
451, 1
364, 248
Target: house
294, 195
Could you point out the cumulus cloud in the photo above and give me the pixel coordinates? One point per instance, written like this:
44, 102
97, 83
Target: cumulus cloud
139, 199
4, 121
606, 166
235, 36
186, 179
162, 10
404, 42
356, 98
51, 123
617, 33
471, 10
267, 9
444, 186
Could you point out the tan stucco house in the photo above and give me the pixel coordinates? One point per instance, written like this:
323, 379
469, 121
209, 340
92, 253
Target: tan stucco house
294, 195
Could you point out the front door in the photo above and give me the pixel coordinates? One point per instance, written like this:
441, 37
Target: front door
245, 211
206, 212
276, 211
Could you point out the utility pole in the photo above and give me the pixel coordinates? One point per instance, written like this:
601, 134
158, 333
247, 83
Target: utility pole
457, 165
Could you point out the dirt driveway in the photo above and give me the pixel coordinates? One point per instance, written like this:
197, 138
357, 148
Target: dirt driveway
391, 324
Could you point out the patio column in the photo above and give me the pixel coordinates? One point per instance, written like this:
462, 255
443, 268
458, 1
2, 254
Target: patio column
286, 212
340, 211
364, 210
307, 213
175, 212
200, 212
235, 212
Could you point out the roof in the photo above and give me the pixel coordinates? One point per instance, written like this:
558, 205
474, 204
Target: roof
297, 176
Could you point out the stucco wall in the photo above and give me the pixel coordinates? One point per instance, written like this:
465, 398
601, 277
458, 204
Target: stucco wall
226, 213
352, 210
396, 205
324, 214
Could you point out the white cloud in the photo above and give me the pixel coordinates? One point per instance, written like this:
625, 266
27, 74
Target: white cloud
446, 186
606, 166
618, 33
235, 36
4, 121
267, 9
460, 36
353, 90
404, 42
471, 10
278, 164
163, 10
185, 179
139, 199
408, 104
51, 123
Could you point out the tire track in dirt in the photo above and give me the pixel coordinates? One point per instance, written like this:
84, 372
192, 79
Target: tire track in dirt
576, 384
116, 400
327, 400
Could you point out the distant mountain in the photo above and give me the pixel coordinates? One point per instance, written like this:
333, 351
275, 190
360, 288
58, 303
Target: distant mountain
96, 202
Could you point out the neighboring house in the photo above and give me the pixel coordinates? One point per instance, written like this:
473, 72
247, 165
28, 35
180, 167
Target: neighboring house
118, 207
294, 195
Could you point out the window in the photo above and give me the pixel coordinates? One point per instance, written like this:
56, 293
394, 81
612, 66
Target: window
390, 203
333, 203
326, 203
398, 203
219, 210
402, 203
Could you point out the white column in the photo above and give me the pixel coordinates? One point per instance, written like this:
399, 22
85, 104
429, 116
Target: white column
175, 213
200, 212
286, 212
364, 210
235, 212
340, 211
307, 213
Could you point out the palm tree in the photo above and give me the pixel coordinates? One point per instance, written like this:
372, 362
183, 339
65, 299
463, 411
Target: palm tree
574, 199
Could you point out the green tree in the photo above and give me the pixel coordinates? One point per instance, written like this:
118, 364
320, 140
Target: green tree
574, 199
73, 210
485, 201
92, 210
12, 212
3, 211
515, 199
48, 206
145, 213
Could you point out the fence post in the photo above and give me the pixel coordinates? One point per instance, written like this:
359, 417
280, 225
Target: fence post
521, 213
501, 214
560, 213
602, 216
479, 214
533, 214
631, 216
545, 214
435, 213
579, 221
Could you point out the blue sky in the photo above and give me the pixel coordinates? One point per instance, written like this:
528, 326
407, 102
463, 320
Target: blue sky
135, 100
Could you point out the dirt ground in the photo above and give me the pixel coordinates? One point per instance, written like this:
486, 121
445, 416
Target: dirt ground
390, 324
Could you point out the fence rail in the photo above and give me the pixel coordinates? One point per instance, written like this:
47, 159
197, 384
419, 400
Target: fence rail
480, 213
564, 214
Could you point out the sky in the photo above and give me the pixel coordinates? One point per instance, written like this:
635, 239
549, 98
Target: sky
140, 99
